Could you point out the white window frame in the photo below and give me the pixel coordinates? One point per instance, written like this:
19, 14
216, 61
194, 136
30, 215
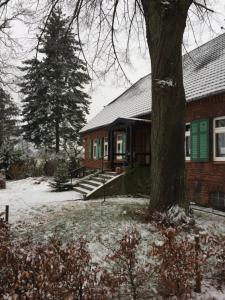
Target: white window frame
106, 146
215, 131
119, 141
187, 133
95, 149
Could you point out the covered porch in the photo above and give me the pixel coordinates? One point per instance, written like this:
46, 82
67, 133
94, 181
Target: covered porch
129, 142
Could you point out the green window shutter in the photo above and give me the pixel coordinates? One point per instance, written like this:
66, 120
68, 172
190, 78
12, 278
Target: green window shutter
195, 141
204, 140
90, 150
200, 140
99, 148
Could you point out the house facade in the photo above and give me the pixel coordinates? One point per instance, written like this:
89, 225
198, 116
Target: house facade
120, 134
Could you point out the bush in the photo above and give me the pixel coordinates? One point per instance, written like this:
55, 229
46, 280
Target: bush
57, 271
179, 264
61, 181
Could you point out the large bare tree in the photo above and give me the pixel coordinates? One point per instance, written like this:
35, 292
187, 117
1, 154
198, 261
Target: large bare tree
164, 23
99, 24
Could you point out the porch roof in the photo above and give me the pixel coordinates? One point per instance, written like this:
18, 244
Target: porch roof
204, 75
129, 121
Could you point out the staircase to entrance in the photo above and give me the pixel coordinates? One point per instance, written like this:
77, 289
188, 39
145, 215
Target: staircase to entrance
97, 181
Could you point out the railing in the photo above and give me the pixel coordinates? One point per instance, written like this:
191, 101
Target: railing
79, 172
83, 171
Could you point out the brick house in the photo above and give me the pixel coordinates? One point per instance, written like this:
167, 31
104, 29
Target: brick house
121, 131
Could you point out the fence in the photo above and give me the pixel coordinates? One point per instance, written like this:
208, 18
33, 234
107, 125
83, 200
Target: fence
5, 214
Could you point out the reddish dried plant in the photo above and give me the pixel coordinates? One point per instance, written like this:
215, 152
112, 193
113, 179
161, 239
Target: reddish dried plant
179, 265
129, 269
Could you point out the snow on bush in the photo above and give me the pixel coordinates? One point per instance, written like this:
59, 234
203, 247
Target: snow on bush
180, 263
172, 267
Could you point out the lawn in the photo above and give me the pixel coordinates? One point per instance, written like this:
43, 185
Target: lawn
39, 214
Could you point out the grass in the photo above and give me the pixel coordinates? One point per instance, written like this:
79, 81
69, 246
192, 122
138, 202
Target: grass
72, 220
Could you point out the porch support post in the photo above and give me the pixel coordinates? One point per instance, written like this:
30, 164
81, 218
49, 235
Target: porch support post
111, 147
131, 146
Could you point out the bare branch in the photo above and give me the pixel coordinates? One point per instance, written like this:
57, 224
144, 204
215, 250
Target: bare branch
4, 3
203, 6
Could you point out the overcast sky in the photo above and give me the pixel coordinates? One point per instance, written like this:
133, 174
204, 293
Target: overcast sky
105, 91
111, 88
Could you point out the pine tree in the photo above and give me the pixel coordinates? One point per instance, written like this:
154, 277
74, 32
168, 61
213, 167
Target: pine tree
9, 114
36, 111
55, 105
61, 180
9, 130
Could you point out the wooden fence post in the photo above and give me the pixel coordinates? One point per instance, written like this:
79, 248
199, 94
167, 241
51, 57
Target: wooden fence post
197, 267
7, 213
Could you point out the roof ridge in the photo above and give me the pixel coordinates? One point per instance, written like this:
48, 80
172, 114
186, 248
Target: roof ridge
184, 55
199, 83
208, 42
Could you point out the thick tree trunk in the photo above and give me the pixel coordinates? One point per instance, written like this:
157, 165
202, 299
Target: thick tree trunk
57, 137
165, 24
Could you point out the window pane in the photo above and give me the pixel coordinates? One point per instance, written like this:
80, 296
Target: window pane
220, 123
188, 127
187, 146
220, 144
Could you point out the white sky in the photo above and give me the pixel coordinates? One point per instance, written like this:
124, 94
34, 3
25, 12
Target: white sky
110, 89
105, 91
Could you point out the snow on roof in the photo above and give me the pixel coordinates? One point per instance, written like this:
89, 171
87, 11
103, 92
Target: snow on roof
204, 75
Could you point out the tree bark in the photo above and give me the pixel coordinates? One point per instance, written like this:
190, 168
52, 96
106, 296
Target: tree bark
57, 137
165, 24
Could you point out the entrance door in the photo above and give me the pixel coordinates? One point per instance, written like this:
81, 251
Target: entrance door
119, 146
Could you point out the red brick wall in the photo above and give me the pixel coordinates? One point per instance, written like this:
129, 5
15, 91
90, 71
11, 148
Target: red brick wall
95, 164
202, 178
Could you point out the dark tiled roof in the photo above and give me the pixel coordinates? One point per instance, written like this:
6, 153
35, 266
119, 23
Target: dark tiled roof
204, 75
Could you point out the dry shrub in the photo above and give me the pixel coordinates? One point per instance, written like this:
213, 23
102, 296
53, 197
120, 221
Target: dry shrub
57, 271
180, 264
47, 272
131, 271
214, 250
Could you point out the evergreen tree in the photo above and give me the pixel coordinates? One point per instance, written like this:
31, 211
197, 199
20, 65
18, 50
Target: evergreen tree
36, 112
9, 114
61, 181
55, 105
9, 130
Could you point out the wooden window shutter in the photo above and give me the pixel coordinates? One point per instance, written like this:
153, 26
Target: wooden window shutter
200, 140
90, 150
204, 140
99, 148
195, 141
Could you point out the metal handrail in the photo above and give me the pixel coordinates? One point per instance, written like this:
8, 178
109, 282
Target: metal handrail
86, 166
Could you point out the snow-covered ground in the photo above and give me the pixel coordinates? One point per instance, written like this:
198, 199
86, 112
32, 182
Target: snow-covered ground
27, 195
38, 213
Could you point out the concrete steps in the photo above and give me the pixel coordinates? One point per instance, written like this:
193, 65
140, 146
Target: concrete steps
90, 184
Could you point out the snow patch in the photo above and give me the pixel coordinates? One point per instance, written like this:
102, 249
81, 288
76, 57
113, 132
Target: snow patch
165, 83
164, 2
176, 214
25, 197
